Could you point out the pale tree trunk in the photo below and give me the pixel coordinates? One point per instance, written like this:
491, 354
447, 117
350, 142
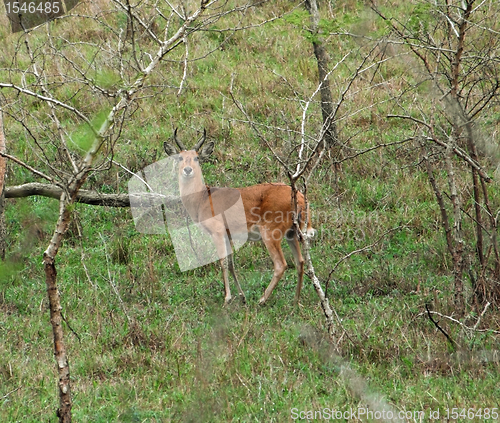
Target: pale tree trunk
49, 256
66, 184
329, 140
3, 171
64, 411
92, 198
328, 312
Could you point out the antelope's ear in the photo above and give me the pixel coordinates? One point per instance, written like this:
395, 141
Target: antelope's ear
169, 149
206, 151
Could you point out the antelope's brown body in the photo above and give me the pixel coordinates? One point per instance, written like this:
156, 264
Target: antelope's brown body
269, 214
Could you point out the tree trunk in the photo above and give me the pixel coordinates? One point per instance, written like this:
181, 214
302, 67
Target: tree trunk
309, 269
3, 171
325, 305
459, 261
327, 111
3, 229
64, 411
81, 169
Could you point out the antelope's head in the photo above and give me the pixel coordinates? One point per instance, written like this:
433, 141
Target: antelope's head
189, 160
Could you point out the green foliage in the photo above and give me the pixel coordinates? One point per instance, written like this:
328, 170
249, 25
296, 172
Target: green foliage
300, 19
345, 20
420, 18
84, 136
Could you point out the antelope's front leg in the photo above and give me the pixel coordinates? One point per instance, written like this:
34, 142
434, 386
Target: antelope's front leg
220, 245
227, 289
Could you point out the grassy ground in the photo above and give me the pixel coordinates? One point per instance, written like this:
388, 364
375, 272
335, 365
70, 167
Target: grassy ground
150, 343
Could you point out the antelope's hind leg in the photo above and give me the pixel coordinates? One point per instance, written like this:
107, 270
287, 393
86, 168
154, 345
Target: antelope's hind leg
231, 269
276, 253
294, 244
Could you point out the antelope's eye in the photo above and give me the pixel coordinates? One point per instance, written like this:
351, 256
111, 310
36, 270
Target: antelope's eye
180, 158
196, 159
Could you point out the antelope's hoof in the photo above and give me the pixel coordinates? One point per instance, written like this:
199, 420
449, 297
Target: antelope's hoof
227, 300
243, 299
262, 301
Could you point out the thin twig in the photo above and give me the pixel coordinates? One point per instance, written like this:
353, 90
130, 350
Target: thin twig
254, 126
30, 168
70, 328
186, 57
444, 316
481, 315
85, 267
11, 392
451, 341
48, 100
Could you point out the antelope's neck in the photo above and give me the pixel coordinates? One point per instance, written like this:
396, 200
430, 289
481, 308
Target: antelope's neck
193, 195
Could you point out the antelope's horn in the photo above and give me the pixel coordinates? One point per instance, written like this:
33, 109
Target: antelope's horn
180, 145
200, 141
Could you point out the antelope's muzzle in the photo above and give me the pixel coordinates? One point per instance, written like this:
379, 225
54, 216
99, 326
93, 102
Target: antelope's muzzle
188, 172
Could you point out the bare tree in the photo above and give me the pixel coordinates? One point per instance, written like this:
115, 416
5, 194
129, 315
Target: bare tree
52, 102
301, 155
457, 44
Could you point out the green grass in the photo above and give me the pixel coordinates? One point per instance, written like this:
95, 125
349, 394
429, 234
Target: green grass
147, 342
181, 357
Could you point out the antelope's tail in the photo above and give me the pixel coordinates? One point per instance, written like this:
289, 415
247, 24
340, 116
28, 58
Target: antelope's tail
310, 231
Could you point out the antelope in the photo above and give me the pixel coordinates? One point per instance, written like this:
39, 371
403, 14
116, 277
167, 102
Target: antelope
269, 215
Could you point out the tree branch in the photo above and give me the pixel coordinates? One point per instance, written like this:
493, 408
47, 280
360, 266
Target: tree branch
27, 166
450, 340
93, 198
